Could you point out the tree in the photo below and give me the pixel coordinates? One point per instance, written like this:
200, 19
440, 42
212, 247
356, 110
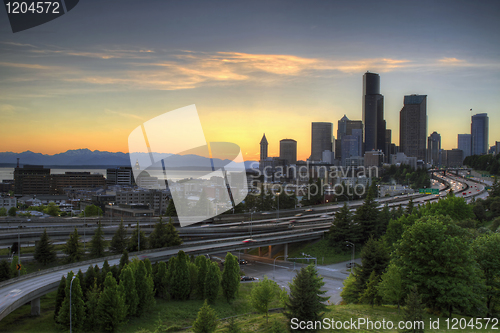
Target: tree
370, 295
342, 229
133, 245
77, 305
305, 301
97, 243
434, 255
172, 235
52, 209
92, 210
180, 284
350, 292
202, 263
93, 294
161, 280
390, 287
263, 293
366, 217
124, 259
5, 272
12, 211
90, 278
61, 293
44, 250
375, 258
206, 321
414, 311
486, 248
145, 288
119, 241
158, 239
212, 282
128, 289
232, 326
111, 308
193, 276
3, 211
171, 211
230, 281
72, 248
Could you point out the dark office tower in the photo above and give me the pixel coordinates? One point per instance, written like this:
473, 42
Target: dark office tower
373, 113
434, 149
388, 141
341, 131
288, 151
464, 144
321, 140
479, 131
263, 148
32, 179
413, 126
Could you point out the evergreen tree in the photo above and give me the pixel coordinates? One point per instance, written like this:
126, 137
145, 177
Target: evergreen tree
171, 211
263, 293
90, 278
350, 292
99, 276
77, 305
374, 258
81, 277
115, 271
414, 311
61, 293
212, 282
105, 269
149, 267
158, 238
124, 259
145, 288
206, 321
201, 262
128, 289
193, 276
5, 272
391, 287
161, 280
366, 217
180, 284
409, 207
172, 235
111, 308
232, 326
119, 241
230, 281
72, 248
44, 250
97, 243
305, 300
133, 244
342, 229
383, 221
92, 296
370, 295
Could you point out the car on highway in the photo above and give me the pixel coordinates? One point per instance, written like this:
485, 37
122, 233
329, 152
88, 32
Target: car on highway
242, 262
464, 193
325, 216
248, 240
309, 210
350, 264
248, 278
297, 215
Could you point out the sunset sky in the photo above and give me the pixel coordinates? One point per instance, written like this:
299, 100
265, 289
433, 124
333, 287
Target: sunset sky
90, 77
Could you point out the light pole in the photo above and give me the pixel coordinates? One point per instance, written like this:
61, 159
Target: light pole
111, 204
352, 258
84, 224
274, 265
70, 286
19, 249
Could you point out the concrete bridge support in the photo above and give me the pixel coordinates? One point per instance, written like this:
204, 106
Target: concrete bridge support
270, 253
35, 307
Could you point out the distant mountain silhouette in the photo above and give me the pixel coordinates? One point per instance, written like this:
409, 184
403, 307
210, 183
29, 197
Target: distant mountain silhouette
87, 157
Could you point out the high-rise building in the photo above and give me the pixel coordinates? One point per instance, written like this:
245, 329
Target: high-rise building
434, 149
119, 176
288, 151
373, 113
497, 147
321, 139
453, 158
341, 131
413, 126
263, 148
464, 144
479, 131
32, 179
388, 142
346, 127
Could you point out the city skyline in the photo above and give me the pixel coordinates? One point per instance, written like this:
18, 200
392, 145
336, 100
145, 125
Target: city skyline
87, 80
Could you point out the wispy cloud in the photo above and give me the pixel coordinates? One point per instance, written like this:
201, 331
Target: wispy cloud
122, 114
21, 65
18, 44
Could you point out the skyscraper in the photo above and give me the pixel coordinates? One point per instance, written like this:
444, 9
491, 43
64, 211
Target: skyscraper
341, 131
413, 126
263, 148
288, 151
321, 139
464, 144
373, 113
346, 127
479, 131
433, 149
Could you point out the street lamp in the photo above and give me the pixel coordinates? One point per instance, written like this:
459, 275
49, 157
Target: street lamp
70, 286
352, 258
111, 204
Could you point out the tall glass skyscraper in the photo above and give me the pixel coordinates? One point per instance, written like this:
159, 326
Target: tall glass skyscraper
321, 139
373, 113
434, 149
413, 126
464, 144
479, 130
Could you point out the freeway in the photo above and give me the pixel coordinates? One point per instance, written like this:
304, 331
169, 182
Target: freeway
18, 291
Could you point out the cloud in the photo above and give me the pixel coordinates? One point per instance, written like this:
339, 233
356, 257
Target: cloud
18, 44
451, 61
121, 114
20, 65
